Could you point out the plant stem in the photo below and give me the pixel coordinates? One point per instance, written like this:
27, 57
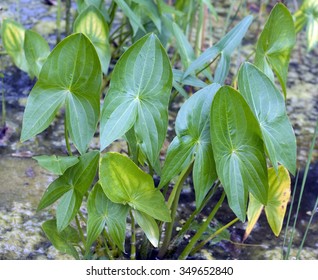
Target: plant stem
80, 230
58, 22
68, 17
133, 237
220, 230
3, 102
108, 252
302, 187
67, 141
197, 210
185, 253
173, 205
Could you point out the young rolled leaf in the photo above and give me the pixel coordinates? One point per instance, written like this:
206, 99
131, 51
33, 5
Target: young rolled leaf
307, 16
63, 241
36, 51
193, 140
238, 150
56, 164
275, 44
138, 97
124, 182
71, 187
149, 226
72, 76
225, 48
13, 35
102, 212
268, 106
92, 23
278, 197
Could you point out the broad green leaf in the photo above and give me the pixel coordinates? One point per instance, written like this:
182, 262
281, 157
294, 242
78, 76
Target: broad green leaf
92, 23
193, 140
13, 35
36, 51
79, 177
67, 208
149, 226
278, 197
63, 241
189, 80
225, 48
82, 5
268, 106
102, 212
72, 76
134, 20
307, 16
56, 164
275, 44
123, 182
238, 150
138, 97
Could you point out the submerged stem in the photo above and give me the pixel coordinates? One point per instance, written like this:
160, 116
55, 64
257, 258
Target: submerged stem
185, 253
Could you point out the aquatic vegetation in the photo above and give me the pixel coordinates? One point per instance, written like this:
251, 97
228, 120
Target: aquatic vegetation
236, 139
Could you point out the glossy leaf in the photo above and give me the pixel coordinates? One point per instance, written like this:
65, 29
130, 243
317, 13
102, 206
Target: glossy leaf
268, 106
225, 48
36, 51
134, 20
124, 182
102, 212
307, 16
79, 177
82, 5
92, 23
138, 97
275, 44
193, 140
278, 197
63, 241
72, 76
56, 164
238, 150
149, 226
13, 35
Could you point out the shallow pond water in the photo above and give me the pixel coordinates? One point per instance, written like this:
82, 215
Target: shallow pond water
22, 181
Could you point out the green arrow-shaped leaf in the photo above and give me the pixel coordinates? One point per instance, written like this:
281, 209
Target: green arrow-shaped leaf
123, 182
193, 138
268, 106
63, 241
138, 97
56, 164
36, 51
92, 23
72, 76
238, 150
102, 212
275, 44
13, 35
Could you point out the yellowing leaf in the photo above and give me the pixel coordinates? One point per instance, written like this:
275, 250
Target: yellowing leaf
278, 197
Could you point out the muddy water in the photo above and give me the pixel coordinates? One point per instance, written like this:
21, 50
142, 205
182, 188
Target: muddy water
22, 182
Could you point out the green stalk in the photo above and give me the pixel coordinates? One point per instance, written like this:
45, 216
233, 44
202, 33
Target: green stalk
314, 210
227, 20
133, 237
197, 211
107, 251
220, 230
290, 212
302, 187
67, 141
173, 205
58, 22
185, 253
4, 114
80, 231
68, 17
199, 29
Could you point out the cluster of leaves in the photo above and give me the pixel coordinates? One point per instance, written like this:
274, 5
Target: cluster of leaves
223, 134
